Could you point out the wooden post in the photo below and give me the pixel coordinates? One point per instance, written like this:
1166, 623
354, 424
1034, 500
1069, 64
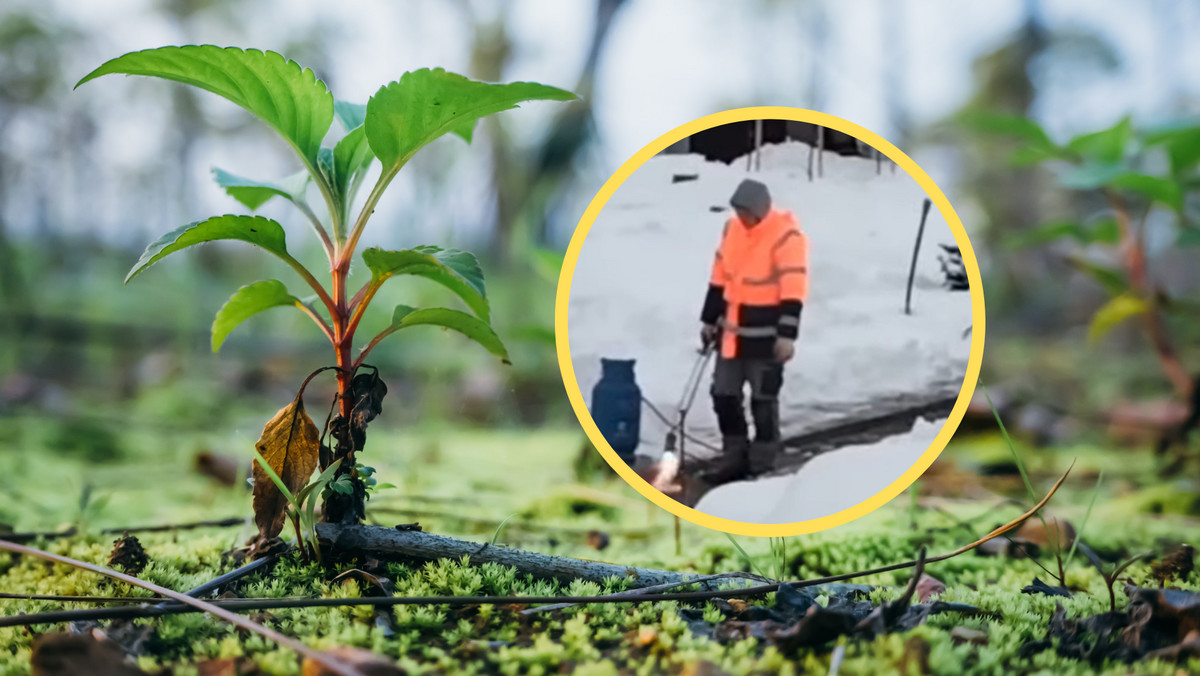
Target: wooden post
912, 270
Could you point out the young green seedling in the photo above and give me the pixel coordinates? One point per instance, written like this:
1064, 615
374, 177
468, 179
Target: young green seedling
302, 506
400, 119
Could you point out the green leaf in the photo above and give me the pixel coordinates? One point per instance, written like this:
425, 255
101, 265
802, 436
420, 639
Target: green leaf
457, 270
548, 263
1111, 279
351, 155
479, 331
1158, 189
259, 231
1044, 234
254, 194
1114, 312
278, 91
274, 476
1188, 237
404, 116
350, 115
533, 333
1104, 230
1106, 146
309, 494
247, 302
1181, 139
1092, 175
1009, 125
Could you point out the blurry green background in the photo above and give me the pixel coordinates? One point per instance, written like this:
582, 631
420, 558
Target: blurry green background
92, 374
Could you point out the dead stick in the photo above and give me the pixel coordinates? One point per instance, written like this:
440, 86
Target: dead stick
423, 546
623, 597
428, 547
737, 575
216, 523
331, 662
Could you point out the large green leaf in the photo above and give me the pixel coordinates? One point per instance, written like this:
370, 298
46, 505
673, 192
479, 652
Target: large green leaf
457, 270
1106, 146
1156, 188
247, 302
1181, 138
404, 116
1114, 312
1008, 125
254, 194
1117, 175
1092, 175
280, 92
256, 230
472, 327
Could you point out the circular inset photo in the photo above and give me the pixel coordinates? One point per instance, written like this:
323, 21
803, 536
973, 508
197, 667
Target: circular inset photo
770, 321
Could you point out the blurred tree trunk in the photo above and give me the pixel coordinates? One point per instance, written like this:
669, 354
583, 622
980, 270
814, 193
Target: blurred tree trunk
526, 190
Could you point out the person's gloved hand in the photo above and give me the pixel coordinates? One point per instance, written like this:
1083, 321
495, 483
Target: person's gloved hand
708, 334
785, 349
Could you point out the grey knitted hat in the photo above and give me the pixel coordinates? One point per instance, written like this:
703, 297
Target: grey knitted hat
753, 197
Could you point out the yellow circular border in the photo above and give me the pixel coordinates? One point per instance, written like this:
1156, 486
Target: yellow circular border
575, 394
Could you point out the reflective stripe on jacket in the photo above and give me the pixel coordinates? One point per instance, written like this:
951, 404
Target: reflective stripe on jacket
759, 284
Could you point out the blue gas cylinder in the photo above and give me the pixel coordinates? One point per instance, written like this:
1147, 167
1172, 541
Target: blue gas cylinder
617, 406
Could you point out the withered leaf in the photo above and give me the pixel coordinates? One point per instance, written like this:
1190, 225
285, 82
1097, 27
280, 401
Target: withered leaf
70, 654
1039, 587
364, 661
290, 444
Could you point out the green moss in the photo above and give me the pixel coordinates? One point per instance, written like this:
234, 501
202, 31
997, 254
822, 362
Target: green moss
591, 639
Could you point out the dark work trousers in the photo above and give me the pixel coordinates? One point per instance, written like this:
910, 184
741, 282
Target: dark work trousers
765, 377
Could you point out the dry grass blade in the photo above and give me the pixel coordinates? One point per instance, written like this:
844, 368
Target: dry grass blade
1015, 523
334, 664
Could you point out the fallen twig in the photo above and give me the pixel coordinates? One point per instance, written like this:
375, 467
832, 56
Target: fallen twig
232, 576
493, 523
421, 546
70, 532
559, 566
334, 664
737, 575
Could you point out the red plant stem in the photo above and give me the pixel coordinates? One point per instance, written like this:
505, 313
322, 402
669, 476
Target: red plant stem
361, 300
343, 334
1135, 261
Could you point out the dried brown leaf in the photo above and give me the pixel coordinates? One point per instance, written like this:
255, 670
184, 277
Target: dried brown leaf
928, 587
290, 443
71, 654
365, 662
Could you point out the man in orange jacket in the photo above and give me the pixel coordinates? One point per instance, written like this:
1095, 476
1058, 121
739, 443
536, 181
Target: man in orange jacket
752, 311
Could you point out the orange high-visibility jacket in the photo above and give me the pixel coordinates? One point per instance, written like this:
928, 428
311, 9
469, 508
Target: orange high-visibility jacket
758, 286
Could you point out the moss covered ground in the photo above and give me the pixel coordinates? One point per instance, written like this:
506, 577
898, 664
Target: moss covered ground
464, 483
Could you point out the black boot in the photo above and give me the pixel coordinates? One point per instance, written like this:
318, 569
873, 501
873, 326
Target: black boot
734, 462
762, 456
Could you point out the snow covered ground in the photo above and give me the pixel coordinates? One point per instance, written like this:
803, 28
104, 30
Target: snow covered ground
829, 482
643, 271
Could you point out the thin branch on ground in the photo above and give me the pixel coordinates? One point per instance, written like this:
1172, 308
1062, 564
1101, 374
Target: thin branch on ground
632, 596
331, 662
161, 528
